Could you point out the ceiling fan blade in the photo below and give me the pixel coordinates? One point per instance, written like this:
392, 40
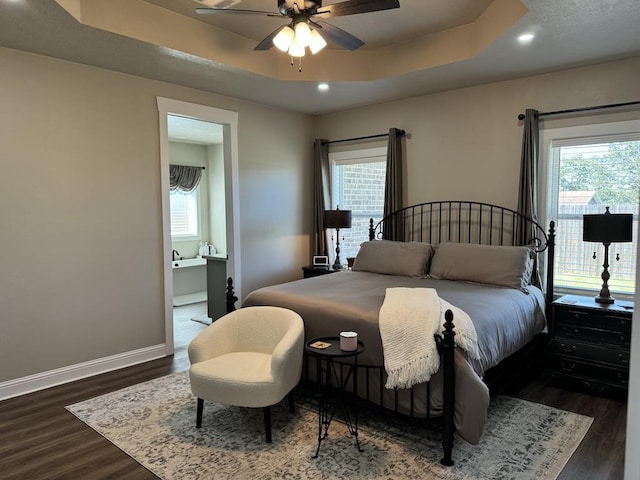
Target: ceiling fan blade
267, 43
211, 10
353, 7
339, 36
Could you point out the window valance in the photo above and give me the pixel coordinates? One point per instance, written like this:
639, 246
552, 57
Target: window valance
184, 178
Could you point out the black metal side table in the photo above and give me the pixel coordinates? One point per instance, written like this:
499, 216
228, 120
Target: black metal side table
327, 403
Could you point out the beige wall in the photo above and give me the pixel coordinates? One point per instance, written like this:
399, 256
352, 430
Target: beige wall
80, 210
465, 144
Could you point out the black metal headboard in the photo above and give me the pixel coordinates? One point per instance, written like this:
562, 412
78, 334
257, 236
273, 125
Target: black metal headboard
468, 222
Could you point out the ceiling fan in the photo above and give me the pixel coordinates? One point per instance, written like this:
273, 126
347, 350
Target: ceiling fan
304, 14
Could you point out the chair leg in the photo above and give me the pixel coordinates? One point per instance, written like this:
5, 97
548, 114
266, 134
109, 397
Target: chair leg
267, 423
292, 403
199, 412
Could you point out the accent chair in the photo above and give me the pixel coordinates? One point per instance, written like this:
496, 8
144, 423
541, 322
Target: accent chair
251, 357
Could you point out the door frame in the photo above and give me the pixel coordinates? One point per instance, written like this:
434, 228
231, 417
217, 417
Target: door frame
229, 120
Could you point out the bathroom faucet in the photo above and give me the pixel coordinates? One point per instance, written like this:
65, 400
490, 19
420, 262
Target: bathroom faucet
174, 253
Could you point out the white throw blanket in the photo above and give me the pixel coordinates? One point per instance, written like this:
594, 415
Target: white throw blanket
409, 318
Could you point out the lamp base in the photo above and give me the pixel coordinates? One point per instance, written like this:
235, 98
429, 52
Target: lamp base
607, 300
337, 266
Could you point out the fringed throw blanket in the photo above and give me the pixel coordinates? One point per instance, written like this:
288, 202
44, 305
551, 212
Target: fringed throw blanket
409, 318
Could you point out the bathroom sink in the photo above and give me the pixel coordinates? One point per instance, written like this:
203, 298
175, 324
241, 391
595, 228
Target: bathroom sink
188, 262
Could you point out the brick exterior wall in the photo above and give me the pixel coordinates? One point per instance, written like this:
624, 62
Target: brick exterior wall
359, 188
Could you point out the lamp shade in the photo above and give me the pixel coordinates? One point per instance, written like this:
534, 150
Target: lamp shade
283, 39
317, 43
608, 228
337, 219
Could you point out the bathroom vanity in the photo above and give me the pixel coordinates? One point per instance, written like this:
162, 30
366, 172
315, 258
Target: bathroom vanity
216, 285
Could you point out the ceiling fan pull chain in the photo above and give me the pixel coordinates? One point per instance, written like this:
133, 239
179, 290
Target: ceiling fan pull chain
300, 64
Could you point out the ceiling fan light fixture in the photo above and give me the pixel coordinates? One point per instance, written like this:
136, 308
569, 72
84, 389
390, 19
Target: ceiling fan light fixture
296, 49
317, 43
303, 34
284, 39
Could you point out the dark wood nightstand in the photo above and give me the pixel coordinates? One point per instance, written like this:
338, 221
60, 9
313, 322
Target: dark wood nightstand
311, 271
590, 344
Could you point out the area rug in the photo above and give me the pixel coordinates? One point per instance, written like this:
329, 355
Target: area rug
154, 423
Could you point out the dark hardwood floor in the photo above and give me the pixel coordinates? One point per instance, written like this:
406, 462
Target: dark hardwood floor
600, 456
39, 439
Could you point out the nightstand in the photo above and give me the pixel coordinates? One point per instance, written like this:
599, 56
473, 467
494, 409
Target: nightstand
590, 344
311, 271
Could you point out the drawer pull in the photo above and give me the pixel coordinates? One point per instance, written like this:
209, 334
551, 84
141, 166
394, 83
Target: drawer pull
567, 348
571, 331
623, 359
568, 367
623, 378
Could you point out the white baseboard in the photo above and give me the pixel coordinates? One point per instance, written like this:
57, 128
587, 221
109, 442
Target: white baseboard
51, 378
189, 298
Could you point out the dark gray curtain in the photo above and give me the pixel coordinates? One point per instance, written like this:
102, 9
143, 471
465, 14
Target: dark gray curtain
528, 193
321, 195
393, 228
184, 178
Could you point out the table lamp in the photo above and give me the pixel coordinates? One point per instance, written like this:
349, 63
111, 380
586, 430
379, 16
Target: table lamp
607, 228
337, 219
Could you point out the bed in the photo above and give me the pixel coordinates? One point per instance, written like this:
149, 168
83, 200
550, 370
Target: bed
480, 261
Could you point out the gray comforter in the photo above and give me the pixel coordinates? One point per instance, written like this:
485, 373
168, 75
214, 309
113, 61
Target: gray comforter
505, 320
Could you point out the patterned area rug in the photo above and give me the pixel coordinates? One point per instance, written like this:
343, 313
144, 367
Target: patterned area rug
154, 423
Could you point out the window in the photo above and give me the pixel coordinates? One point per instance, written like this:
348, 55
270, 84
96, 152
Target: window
589, 168
185, 214
357, 184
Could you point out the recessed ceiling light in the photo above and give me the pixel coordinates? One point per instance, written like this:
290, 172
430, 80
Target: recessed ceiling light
323, 87
526, 38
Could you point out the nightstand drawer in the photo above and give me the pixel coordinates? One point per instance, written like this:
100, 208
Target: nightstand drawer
576, 368
593, 335
592, 318
613, 356
597, 387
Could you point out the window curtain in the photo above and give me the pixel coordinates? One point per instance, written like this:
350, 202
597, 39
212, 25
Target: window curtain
322, 195
183, 178
528, 192
393, 228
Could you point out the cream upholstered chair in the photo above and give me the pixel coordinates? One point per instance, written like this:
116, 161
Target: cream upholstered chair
251, 357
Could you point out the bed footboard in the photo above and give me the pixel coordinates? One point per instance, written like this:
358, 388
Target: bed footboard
446, 348
230, 296
373, 392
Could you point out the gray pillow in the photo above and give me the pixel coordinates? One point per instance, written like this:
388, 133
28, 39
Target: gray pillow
393, 258
493, 265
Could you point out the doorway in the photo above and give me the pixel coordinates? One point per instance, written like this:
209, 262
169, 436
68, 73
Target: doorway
183, 119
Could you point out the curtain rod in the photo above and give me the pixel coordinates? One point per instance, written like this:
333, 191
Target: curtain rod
192, 166
400, 132
583, 109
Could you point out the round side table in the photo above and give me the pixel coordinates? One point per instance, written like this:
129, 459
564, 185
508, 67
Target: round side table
328, 402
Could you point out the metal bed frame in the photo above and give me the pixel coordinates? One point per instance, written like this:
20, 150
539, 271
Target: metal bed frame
462, 222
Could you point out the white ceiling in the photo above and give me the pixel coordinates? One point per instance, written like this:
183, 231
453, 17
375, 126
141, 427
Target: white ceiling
189, 130
569, 33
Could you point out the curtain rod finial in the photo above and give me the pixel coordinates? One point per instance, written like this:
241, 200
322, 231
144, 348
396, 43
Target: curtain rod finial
521, 116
